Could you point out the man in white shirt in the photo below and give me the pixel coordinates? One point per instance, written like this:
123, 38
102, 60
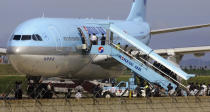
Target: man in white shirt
204, 89
94, 39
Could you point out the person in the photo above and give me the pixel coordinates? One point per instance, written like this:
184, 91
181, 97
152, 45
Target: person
79, 88
138, 90
204, 89
208, 90
97, 91
50, 90
138, 55
68, 94
178, 91
130, 53
118, 46
18, 90
78, 95
156, 91
103, 40
170, 89
147, 90
94, 39
125, 48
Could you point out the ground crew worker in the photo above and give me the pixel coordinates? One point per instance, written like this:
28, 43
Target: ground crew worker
147, 90
94, 39
103, 39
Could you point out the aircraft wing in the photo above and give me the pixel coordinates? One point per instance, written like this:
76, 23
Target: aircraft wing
3, 51
175, 29
197, 51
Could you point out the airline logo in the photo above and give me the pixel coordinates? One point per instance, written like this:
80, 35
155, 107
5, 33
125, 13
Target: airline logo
101, 49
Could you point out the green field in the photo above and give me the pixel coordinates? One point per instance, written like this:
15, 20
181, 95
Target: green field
7, 69
7, 83
198, 72
8, 76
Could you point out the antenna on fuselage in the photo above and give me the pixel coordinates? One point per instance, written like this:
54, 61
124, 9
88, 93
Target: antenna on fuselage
43, 14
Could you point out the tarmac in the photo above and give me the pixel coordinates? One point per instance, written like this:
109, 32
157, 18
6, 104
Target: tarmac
152, 104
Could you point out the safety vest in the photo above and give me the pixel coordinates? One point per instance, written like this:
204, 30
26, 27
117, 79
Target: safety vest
118, 46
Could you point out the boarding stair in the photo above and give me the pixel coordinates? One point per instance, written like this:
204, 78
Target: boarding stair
142, 67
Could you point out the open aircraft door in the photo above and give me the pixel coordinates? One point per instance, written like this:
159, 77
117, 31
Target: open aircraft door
56, 36
86, 31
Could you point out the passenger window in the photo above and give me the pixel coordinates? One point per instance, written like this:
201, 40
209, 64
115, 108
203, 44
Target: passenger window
26, 37
17, 37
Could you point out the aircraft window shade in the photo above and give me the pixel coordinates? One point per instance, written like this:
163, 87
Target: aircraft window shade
26, 37
38, 37
34, 37
17, 37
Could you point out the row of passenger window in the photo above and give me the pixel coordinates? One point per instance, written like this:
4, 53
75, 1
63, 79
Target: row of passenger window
35, 37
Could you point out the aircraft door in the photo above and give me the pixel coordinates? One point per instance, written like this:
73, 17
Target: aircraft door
56, 36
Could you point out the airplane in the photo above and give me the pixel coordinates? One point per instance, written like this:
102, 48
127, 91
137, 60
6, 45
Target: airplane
51, 47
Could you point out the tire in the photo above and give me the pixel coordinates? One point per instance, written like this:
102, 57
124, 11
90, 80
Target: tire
107, 95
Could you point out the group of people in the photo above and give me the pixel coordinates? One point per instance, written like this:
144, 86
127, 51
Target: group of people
192, 90
94, 39
198, 90
158, 66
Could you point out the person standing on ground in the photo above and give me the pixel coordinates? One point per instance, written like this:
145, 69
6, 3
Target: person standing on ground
147, 90
170, 89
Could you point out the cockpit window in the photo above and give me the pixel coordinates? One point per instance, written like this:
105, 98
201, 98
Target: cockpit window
26, 37
36, 37
17, 37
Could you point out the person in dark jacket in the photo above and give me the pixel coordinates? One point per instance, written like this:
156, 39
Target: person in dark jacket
103, 40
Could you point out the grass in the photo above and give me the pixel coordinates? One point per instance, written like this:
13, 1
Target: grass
198, 72
7, 69
8, 76
8, 82
198, 79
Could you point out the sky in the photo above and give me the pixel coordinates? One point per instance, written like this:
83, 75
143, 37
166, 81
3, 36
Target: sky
160, 14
